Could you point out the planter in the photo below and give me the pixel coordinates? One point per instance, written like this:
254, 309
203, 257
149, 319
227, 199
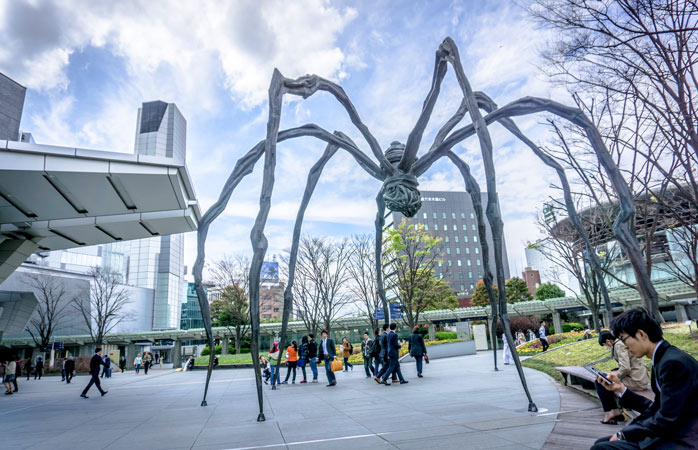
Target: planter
447, 350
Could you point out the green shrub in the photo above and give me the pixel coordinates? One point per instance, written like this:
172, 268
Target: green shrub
206, 351
443, 335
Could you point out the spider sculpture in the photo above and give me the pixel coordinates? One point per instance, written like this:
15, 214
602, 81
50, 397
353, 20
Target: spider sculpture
399, 168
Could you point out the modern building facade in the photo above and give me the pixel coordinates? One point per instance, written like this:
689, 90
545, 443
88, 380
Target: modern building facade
11, 105
191, 310
451, 217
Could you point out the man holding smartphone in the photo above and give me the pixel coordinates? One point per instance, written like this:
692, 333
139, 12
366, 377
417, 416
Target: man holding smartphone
671, 421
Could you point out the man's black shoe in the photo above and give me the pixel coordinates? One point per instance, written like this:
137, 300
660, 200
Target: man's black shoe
332, 384
420, 375
84, 396
104, 393
385, 383
404, 382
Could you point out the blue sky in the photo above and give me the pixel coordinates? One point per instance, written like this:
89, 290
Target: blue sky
89, 65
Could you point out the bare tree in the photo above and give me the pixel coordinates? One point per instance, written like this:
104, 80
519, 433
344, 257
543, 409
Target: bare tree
50, 312
564, 250
102, 307
362, 272
231, 275
635, 63
321, 293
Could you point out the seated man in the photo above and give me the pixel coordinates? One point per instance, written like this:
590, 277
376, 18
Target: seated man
631, 371
671, 421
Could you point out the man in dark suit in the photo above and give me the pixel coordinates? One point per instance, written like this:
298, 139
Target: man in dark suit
95, 362
327, 352
69, 369
383, 355
671, 421
366, 345
393, 356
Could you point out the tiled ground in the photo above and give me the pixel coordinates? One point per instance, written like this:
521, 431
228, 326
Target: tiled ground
461, 403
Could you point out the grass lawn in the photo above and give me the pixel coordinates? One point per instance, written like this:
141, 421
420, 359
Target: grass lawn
243, 358
590, 351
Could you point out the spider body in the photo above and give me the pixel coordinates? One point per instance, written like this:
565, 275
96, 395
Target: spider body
398, 168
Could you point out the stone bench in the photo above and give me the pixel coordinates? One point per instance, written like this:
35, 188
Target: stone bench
579, 378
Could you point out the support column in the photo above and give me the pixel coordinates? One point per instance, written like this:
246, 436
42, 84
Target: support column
681, 313
177, 354
225, 342
130, 355
14, 252
432, 331
557, 322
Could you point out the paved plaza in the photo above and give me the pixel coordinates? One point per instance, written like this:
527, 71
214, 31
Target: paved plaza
460, 403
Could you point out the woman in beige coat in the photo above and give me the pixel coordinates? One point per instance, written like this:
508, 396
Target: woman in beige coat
631, 371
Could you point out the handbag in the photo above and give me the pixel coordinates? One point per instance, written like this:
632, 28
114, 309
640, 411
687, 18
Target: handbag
301, 363
336, 366
426, 358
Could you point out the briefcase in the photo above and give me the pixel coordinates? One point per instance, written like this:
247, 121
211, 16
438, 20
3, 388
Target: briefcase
336, 366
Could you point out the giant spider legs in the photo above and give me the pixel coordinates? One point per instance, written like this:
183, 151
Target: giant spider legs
403, 176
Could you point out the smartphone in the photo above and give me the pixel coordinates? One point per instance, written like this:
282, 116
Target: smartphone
597, 372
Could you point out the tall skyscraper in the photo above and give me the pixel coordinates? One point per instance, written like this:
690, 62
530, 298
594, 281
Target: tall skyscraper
11, 106
158, 262
451, 216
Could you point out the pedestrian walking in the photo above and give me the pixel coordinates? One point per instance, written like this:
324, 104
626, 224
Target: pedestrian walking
541, 335
266, 368
95, 362
69, 369
506, 350
9, 378
376, 351
18, 372
312, 356
63, 370
137, 361
303, 358
383, 353
393, 347
366, 345
417, 349
291, 361
28, 366
347, 350
328, 353
107, 367
122, 363
147, 361
39, 370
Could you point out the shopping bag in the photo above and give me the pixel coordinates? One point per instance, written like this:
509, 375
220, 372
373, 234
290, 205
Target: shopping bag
426, 358
336, 366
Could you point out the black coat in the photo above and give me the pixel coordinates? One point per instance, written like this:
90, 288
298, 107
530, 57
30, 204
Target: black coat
384, 345
393, 345
69, 366
416, 345
671, 421
95, 362
312, 349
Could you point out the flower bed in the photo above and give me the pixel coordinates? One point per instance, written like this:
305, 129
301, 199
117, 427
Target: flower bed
531, 348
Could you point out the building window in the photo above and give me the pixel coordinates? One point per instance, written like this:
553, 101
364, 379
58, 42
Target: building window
443, 215
465, 227
436, 227
416, 226
472, 215
433, 215
424, 215
465, 238
449, 263
454, 227
471, 286
473, 227
474, 238
459, 263
462, 288
477, 250
457, 250
460, 275
446, 239
455, 238
441, 263
468, 263
470, 275
453, 216
448, 250
441, 275
426, 227
462, 215
477, 262
467, 250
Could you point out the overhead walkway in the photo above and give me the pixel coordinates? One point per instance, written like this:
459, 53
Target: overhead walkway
54, 198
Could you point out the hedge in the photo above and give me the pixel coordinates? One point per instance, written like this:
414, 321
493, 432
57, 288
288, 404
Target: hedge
443, 335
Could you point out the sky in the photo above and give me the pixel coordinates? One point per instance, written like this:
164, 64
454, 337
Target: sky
88, 66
